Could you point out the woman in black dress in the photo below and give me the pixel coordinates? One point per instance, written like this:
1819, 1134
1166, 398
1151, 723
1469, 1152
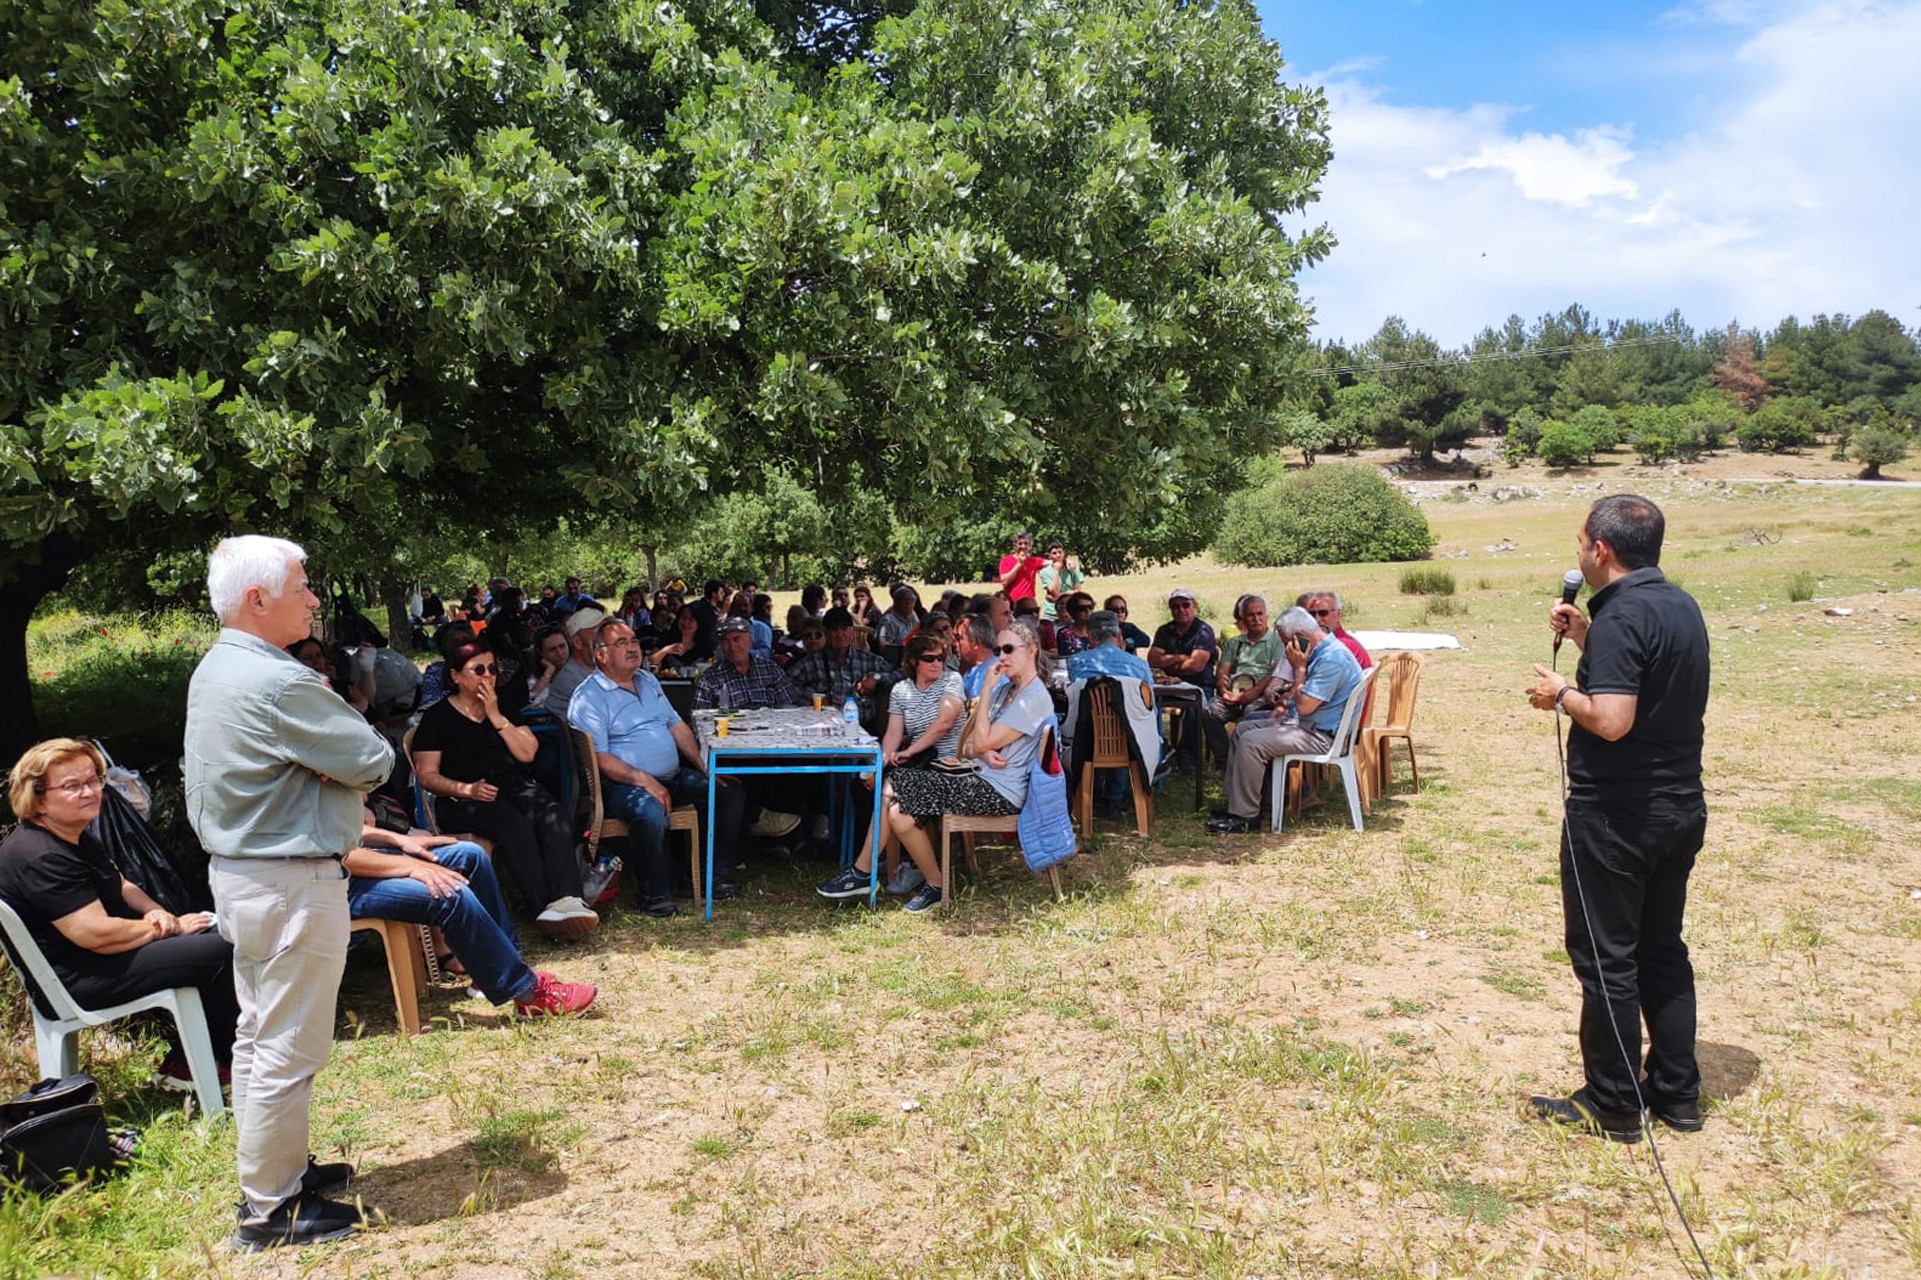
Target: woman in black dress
108, 941
468, 753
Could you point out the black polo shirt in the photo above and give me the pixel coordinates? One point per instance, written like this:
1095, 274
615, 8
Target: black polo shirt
44, 878
1646, 638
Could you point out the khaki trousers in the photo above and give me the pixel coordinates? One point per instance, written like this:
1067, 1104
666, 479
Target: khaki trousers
287, 919
1254, 746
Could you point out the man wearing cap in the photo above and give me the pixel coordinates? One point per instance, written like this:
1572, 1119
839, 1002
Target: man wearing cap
839, 669
580, 627
1184, 646
744, 680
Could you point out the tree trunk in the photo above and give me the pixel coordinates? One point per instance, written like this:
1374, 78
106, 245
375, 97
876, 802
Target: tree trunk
59, 555
400, 624
653, 571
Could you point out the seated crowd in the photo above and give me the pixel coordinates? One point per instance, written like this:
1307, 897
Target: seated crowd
969, 684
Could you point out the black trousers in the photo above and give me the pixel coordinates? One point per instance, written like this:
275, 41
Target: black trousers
203, 961
533, 840
1624, 889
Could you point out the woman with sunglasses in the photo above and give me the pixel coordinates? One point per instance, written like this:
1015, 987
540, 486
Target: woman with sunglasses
1133, 638
108, 941
1073, 636
476, 760
1002, 739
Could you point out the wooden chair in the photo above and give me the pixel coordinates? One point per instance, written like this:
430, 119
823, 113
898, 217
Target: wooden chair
954, 824
1403, 674
1110, 752
600, 826
407, 946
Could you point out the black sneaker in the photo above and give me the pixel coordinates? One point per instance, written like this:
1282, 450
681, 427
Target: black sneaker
1229, 826
322, 1178
1682, 1117
303, 1220
659, 908
1577, 1113
925, 898
844, 884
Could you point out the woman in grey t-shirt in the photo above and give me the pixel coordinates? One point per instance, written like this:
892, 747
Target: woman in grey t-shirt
1002, 744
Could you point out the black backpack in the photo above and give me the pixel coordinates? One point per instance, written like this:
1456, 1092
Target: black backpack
57, 1130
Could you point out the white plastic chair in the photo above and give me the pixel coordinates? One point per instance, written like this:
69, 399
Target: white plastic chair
57, 1037
1339, 753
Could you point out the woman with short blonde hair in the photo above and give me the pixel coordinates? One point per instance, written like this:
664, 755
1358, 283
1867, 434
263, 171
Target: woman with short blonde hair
108, 941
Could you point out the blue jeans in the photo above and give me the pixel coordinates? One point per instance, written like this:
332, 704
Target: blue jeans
648, 837
475, 920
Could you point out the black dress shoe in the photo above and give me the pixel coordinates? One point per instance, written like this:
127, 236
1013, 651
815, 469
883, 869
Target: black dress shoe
1577, 1113
721, 890
1682, 1117
659, 908
323, 1178
303, 1220
1229, 826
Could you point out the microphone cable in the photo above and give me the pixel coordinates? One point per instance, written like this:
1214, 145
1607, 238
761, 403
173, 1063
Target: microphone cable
1633, 1067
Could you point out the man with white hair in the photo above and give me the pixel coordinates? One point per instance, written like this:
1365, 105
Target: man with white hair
276, 769
1325, 675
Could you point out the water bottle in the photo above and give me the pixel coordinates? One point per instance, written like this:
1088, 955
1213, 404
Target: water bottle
850, 712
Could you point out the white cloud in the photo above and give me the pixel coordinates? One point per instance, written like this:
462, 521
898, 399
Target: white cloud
1795, 194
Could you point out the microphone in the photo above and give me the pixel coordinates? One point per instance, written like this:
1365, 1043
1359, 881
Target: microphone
1571, 582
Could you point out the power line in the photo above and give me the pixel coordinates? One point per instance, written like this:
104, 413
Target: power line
1394, 366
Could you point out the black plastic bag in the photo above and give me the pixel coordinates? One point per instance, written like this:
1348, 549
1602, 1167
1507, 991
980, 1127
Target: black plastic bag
139, 856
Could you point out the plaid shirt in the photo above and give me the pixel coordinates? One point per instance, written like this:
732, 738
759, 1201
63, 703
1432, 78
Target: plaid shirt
762, 685
822, 672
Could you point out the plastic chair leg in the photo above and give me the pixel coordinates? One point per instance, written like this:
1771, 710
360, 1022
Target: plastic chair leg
1351, 783
59, 1050
190, 1019
1143, 798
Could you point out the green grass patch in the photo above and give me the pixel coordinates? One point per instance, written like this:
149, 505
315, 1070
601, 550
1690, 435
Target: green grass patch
1801, 586
1427, 581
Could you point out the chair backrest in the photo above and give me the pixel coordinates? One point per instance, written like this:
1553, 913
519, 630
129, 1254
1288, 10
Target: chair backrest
1403, 682
44, 987
586, 767
423, 802
680, 696
1350, 727
1110, 738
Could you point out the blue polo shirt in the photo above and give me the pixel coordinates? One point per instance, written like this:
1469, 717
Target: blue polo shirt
636, 727
1332, 675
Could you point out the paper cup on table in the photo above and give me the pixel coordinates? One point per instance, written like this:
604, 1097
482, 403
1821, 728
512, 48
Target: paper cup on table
819, 701
720, 726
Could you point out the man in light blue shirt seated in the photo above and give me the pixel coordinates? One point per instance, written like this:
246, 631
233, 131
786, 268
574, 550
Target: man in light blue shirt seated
1325, 676
649, 762
1108, 657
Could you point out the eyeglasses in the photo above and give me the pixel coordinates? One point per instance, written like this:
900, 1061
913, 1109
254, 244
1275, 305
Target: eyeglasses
931, 657
77, 788
1321, 613
482, 671
1005, 649
1180, 604
1080, 608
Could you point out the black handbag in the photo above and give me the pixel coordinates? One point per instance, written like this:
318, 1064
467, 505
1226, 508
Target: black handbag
57, 1130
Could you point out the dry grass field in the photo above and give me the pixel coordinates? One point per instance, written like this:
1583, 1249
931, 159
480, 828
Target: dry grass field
1302, 1056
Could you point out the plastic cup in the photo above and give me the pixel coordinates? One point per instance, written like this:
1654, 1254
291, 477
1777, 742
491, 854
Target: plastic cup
820, 700
720, 726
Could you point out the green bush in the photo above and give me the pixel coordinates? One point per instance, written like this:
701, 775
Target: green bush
1781, 425
1564, 445
1427, 582
1801, 586
1598, 423
1875, 447
1331, 514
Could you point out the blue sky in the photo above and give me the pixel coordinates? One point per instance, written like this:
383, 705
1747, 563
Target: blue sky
1736, 159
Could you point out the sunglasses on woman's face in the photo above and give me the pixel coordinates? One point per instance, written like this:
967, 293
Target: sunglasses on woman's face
482, 671
1007, 649
931, 657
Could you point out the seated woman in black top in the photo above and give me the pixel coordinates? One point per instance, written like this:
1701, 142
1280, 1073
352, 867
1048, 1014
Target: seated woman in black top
106, 939
467, 752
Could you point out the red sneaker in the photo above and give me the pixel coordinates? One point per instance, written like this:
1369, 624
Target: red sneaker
552, 996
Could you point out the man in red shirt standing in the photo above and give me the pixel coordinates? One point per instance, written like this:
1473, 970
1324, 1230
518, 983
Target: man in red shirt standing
1017, 570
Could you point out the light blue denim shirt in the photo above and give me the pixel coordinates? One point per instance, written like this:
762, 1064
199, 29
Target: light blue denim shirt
277, 763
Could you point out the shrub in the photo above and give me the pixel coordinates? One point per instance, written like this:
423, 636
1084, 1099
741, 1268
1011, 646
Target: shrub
1336, 513
1598, 423
1439, 607
1564, 445
1524, 429
1780, 425
1427, 582
1876, 447
1801, 586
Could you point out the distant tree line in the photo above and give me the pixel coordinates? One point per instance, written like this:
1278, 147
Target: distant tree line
1569, 386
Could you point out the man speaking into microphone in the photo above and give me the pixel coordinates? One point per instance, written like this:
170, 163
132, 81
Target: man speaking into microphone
1634, 821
